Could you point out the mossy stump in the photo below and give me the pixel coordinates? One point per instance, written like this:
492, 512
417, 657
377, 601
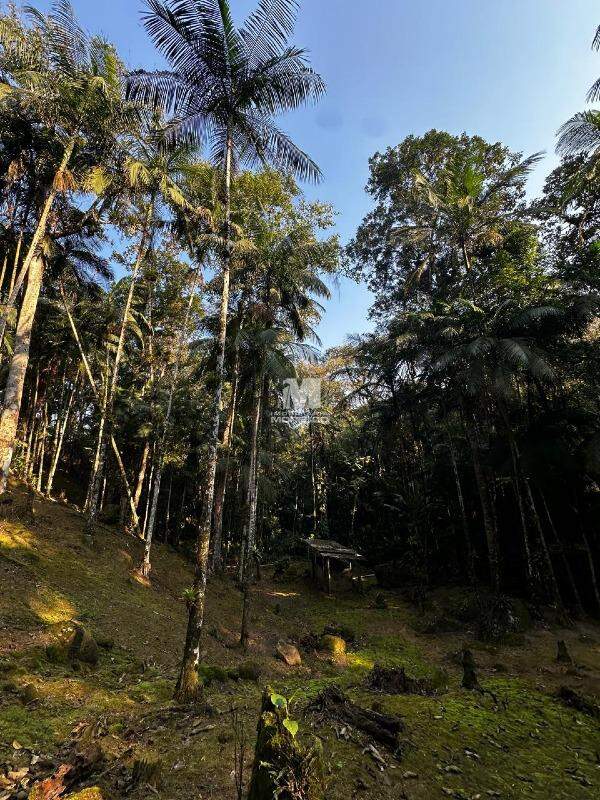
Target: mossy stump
334, 645
283, 767
469, 680
562, 654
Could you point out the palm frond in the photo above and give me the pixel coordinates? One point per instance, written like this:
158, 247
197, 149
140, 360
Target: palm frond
260, 141
268, 28
580, 134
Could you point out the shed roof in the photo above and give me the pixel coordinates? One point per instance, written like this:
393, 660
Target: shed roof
327, 548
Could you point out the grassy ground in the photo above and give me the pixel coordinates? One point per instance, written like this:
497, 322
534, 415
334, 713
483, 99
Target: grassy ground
457, 744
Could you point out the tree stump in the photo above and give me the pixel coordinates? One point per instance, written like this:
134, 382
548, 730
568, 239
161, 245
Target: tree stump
469, 680
394, 680
562, 654
283, 767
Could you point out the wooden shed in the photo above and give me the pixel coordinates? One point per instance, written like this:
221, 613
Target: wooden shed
327, 556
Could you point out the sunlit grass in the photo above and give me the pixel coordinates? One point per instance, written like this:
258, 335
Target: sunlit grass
51, 606
16, 539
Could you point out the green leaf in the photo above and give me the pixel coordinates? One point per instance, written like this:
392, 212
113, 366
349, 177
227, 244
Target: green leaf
291, 725
278, 701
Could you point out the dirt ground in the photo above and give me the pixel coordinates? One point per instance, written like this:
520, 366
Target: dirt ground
521, 743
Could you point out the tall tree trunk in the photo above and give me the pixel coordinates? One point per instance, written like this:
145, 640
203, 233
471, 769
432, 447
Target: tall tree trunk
3, 273
489, 525
168, 508
9, 418
107, 409
251, 501
149, 491
40, 475
593, 577
532, 573
61, 435
141, 254
187, 682
94, 388
38, 235
99, 458
466, 256
313, 477
154, 490
565, 560
180, 517
463, 515
141, 473
550, 573
32, 424
160, 455
221, 477
15, 266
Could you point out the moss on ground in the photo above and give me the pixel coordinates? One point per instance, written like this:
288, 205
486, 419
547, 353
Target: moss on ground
456, 744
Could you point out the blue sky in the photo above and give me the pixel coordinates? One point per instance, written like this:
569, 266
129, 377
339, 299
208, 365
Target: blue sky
508, 70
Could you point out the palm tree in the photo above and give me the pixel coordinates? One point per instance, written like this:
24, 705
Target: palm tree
71, 84
150, 173
466, 212
581, 133
481, 352
284, 272
154, 488
225, 86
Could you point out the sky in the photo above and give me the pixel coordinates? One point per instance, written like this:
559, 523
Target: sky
509, 70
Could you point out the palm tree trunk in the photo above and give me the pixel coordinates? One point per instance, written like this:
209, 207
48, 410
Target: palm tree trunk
39, 233
40, 475
252, 500
187, 682
15, 266
94, 388
9, 418
141, 473
31, 426
149, 491
491, 533
463, 515
149, 529
180, 518
532, 573
110, 396
221, 478
155, 491
554, 588
141, 253
466, 257
567, 566
99, 459
3, 273
96, 480
61, 435
593, 577
168, 508
313, 478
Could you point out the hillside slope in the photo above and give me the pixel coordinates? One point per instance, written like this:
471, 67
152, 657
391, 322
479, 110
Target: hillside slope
461, 744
